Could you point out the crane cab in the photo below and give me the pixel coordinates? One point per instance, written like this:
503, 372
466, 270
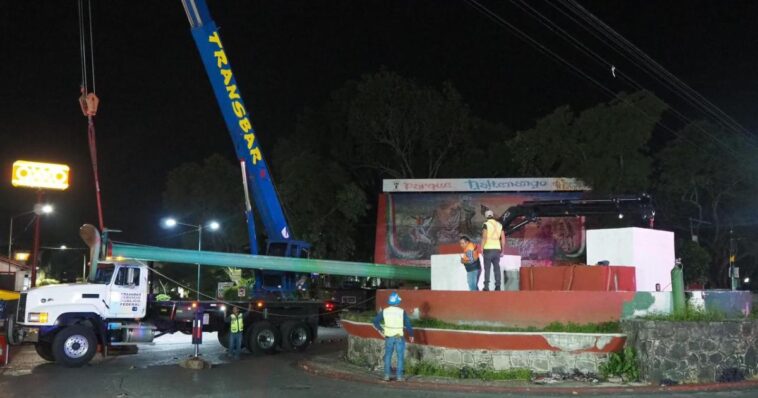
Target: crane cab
277, 283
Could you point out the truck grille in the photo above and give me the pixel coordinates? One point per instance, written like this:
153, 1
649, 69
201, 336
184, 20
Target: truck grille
21, 310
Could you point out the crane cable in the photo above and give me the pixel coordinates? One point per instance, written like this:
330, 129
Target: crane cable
88, 101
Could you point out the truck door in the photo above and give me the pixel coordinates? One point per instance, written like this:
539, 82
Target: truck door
129, 293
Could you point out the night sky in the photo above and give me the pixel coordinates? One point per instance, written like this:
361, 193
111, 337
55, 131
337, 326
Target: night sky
158, 111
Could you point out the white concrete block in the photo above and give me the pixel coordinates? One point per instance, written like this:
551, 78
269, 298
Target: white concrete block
650, 251
449, 274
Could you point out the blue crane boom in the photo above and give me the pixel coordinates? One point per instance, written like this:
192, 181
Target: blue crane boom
256, 178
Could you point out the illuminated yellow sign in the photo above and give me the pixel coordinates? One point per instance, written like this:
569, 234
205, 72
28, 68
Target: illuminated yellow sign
22, 256
40, 175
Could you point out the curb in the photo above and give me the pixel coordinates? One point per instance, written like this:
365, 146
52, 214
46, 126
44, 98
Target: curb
318, 369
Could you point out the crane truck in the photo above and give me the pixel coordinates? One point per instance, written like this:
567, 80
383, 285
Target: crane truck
68, 322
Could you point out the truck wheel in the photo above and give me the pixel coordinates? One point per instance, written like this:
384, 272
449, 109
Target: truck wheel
44, 350
263, 338
74, 346
11, 333
296, 336
223, 337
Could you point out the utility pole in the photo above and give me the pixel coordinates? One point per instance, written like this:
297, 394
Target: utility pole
733, 271
35, 246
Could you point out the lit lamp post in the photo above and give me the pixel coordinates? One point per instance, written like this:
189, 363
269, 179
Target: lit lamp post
39, 176
38, 211
212, 225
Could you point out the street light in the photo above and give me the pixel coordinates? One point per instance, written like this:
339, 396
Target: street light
39, 209
171, 222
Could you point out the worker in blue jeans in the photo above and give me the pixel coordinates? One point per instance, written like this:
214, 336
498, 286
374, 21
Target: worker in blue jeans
470, 260
236, 326
395, 321
493, 244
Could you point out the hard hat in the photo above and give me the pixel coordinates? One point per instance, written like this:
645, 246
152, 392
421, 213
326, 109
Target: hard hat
394, 299
489, 214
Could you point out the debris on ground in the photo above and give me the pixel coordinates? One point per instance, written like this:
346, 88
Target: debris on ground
575, 375
731, 375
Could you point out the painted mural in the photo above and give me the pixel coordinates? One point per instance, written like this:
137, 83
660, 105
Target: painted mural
413, 226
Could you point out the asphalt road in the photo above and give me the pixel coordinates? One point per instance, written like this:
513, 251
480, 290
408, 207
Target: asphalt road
154, 373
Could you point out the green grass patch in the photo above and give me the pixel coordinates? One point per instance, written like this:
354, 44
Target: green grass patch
467, 372
605, 327
690, 314
622, 364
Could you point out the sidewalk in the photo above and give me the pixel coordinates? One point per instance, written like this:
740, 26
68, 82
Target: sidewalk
334, 366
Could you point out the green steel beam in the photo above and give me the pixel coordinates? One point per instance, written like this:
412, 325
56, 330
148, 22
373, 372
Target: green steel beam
219, 259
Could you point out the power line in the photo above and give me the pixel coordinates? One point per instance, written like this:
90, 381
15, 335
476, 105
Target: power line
651, 67
683, 87
547, 22
539, 46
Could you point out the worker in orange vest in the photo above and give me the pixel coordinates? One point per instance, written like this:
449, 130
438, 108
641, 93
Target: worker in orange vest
470, 260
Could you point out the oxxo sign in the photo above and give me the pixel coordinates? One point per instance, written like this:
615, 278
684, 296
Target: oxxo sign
40, 175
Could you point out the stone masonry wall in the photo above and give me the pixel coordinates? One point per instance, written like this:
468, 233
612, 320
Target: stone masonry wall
370, 352
694, 351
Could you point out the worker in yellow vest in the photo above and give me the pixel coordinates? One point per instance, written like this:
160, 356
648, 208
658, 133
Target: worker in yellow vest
395, 321
236, 326
493, 243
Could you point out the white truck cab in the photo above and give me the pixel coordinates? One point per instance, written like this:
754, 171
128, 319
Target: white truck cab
118, 291
67, 322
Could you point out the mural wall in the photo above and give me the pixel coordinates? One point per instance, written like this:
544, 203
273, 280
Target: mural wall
413, 226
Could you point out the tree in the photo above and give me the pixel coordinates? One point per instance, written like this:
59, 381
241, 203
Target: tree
323, 205
381, 126
197, 193
402, 130
212, 190
696, 261
387, 126
707, 187
605, 146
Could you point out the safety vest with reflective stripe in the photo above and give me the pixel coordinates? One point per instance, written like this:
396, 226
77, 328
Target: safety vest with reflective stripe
393, 321
469, 247
494, 229
237, 323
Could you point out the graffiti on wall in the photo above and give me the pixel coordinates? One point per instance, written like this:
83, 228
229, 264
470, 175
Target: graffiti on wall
412, 227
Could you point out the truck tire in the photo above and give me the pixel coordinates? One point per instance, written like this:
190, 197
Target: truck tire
11, 333
296, 336
74, 346
263, 338
223, 337
45, 350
